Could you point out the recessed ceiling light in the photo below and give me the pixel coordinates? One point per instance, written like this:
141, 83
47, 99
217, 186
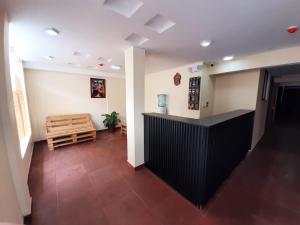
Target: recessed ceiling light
136, 39
115, 67
49, 57
205, 43
123, 7
159, 23
109, 60
228, 58
52, 31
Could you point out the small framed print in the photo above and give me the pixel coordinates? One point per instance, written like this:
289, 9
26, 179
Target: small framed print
98, 89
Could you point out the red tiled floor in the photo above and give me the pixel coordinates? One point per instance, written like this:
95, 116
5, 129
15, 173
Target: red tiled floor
92, 184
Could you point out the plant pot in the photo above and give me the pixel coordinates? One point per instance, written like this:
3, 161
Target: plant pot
111, 128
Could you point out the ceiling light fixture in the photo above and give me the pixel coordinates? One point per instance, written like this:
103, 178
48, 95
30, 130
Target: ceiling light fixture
115, 67
205, 43
159, 23
136, 39
125, 8
52, 31
228, 58
109, 60
49, 57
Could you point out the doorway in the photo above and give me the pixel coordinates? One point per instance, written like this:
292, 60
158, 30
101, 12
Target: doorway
284, 96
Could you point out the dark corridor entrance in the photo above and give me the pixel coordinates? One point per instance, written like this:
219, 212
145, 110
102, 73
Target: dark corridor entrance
288, 105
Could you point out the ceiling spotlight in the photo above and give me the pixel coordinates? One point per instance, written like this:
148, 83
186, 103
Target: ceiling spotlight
49, 57
205, 43
228, 58
52, 31
115, 67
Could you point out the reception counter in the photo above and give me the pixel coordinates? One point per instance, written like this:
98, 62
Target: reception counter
195, 156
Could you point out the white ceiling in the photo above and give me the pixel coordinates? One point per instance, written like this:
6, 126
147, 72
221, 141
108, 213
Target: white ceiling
236, 27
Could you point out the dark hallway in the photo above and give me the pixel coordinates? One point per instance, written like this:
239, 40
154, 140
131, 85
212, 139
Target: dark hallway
288, 105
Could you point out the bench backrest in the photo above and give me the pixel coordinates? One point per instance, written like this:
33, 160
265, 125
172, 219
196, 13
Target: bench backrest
67, 122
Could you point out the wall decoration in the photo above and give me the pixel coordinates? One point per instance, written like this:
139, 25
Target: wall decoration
98, 88
177, 79
194, 93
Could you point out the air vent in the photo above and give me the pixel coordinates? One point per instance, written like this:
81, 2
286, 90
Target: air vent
159, 24
136, 39
123, 7
75, 53
102, 59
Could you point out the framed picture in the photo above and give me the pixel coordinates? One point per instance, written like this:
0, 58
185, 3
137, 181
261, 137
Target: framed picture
194, 93
98, 88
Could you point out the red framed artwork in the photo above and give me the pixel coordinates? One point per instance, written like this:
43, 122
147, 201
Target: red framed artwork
98, 89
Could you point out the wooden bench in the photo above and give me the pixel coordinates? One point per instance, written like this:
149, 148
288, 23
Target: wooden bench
69, 129
123, 128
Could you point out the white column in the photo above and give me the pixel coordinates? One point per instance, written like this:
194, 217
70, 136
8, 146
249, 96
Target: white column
135, 75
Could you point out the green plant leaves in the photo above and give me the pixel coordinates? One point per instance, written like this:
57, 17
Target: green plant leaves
111, 120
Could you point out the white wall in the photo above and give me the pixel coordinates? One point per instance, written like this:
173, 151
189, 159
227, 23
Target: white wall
135, 75
235, 91
55, 93
9, 205
15, 201
162, 83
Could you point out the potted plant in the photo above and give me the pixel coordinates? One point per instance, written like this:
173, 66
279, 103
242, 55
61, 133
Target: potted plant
111, 121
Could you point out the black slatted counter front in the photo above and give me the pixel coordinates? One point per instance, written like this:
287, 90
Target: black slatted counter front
195, 156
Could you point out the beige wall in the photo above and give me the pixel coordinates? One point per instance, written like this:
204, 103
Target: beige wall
235, 91
260, 114
242, 90
207, 93
54, 93
15, 201
266, 59
162, 83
